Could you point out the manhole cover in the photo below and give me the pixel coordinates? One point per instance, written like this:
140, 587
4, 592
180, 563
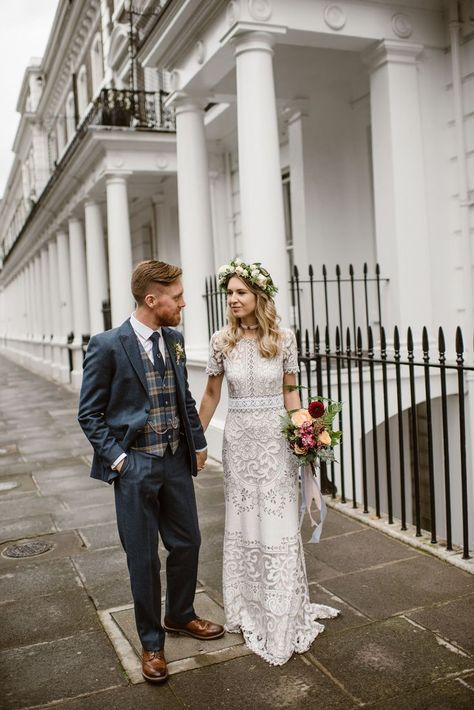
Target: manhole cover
28, 549
8, 485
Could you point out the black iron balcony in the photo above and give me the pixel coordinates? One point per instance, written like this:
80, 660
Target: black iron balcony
135, 109
124, 108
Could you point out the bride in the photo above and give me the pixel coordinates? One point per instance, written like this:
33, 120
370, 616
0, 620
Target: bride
265, 588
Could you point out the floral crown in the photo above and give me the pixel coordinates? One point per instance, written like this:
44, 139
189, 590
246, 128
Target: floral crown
252, 273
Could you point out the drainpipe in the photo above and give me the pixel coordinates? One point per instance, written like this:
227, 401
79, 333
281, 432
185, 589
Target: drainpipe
455, 25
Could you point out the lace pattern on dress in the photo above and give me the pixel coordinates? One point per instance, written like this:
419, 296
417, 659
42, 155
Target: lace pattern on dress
266, 597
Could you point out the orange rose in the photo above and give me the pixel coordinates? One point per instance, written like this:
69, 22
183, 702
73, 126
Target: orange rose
300, 416
324, 438
299, 450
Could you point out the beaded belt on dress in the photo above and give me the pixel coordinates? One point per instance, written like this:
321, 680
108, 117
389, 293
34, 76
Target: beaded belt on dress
274, 401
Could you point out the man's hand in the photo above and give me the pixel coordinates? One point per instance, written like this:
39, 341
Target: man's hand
201, 457
119, 465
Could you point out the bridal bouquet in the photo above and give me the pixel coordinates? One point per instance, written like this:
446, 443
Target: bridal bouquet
310, 432
311, 437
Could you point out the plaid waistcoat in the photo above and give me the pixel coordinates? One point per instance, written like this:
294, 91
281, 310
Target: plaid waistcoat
162, 427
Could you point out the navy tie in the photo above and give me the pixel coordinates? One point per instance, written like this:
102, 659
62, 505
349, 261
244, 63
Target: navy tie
157, 357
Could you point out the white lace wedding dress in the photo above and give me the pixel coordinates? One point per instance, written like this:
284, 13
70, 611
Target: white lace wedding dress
265, 587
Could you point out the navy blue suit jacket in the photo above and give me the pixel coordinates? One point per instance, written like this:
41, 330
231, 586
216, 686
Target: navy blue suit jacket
114, 403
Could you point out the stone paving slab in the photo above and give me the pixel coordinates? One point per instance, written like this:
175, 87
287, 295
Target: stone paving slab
34, 579
68, 484
443, 695
45, 618
182, 652
359, 550
17, 484
101, 536
26, 527
401, 586
403, 657
449, 620
64, 668
75, 470
64, 544
250, 683
134, 697
84, 517
29, 505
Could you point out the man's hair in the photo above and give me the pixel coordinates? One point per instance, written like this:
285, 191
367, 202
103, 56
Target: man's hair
151, 272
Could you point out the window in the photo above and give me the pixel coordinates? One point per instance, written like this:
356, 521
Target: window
97, 64
82, 93
70, 117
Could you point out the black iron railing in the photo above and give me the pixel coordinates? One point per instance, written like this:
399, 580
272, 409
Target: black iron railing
139, 110
358, 298
405, 438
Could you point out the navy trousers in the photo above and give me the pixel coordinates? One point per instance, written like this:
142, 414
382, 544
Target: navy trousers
154, 496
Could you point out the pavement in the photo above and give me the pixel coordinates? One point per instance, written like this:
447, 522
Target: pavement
404, 639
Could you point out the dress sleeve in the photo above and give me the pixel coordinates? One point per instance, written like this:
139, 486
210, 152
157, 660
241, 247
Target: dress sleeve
215, 364
290, 353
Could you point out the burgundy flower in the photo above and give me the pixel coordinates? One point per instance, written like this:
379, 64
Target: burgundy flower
316, 409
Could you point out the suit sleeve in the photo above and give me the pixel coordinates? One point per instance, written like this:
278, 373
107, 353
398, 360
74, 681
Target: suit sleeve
94, 399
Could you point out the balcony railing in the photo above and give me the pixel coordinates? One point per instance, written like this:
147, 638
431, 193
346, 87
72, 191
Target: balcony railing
137, 110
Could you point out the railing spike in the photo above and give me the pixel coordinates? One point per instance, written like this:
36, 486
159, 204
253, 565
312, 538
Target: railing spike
370, 338
338, 270
359, 338
383, 339
396, 338
348, 338
425, 339
295, 271
377, 269
317, 338
366, 268
324, 270
459, 341
310, 271
410, 339
351, 270
338, 339
326, 338
441, 341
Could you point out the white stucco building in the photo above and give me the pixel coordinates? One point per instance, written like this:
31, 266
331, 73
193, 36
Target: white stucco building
307, 131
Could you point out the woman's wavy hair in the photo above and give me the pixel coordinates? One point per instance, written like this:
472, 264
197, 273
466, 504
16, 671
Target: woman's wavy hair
268, 333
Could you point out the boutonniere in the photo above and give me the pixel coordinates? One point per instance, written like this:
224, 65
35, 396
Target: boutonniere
178, 352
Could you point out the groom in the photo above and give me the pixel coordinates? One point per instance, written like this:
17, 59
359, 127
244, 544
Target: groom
138, 413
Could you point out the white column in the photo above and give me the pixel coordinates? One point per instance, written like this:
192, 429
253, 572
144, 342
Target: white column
120, 249
261, 197
65, 309
399, 182
195, 225
55, 307
46, 301
96, 265
80, 305
38, 314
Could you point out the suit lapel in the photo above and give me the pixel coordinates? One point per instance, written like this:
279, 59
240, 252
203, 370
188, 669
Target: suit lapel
170, 342
130, 344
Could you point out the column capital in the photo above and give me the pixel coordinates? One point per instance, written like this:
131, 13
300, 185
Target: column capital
117, 177
294, 110
262, 35
184, 102
393, 52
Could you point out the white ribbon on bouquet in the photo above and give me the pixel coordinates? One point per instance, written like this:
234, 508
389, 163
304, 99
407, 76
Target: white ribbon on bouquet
311, 491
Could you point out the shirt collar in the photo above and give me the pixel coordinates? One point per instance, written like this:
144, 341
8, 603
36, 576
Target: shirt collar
142, 329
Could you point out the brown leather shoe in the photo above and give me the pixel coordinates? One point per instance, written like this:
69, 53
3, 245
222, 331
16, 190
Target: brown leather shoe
197, 628
154, 666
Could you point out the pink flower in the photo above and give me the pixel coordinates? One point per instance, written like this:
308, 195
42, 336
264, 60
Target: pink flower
308, 440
